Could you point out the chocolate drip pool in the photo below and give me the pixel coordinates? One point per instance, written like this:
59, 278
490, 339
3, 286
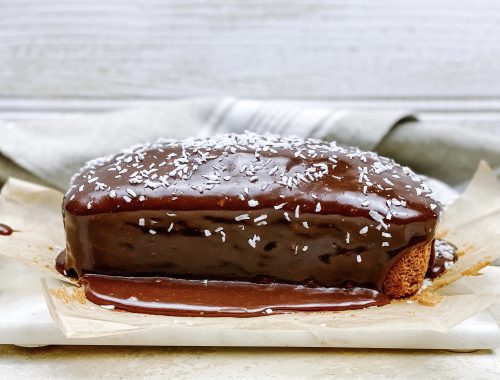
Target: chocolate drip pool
5, 230
194, 298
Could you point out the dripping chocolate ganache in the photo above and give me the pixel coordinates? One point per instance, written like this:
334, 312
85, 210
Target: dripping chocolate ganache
249, 210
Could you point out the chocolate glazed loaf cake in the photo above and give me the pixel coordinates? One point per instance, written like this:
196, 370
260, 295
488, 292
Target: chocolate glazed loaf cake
250, 208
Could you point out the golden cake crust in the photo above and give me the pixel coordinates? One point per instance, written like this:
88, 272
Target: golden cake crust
407, 274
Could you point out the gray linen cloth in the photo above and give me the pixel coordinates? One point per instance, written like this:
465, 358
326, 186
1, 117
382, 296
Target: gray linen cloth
50, 151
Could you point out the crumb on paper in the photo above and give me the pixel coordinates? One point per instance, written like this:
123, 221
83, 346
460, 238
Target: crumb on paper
428, 298
443, 281
68, 295
474, 270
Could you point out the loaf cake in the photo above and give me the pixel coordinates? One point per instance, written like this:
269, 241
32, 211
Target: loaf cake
259, 209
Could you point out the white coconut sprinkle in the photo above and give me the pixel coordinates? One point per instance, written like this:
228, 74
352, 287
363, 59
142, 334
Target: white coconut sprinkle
273, 170
253, 241
318, 207
207, 233
287, 217
152, 232
253, 203
260, 218
142, 222
376, 216
358, 258
388, 182
364, 230
280, 206
241, 217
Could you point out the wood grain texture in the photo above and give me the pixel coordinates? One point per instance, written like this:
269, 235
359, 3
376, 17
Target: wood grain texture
304, 49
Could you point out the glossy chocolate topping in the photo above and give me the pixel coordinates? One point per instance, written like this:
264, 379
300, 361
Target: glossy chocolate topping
5, 230
443, 256
263, 209
166, 296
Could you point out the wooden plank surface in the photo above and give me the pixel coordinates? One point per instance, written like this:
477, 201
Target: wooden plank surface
323, 50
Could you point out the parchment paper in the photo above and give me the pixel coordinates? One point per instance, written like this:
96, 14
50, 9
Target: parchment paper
472, 223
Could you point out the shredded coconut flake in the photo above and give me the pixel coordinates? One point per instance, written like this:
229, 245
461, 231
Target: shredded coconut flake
253, 203
241, 217
364, 230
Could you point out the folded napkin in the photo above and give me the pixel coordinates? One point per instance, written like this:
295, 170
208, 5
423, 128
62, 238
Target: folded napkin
50, 151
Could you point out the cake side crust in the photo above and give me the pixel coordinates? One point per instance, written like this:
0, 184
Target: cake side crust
407, 274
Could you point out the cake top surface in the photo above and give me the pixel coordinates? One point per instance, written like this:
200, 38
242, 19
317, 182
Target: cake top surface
251, 172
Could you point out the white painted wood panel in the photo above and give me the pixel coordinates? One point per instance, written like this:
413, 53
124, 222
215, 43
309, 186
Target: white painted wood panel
318, 49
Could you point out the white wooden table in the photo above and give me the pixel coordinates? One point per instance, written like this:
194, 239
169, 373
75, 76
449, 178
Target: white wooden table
437, 57
89, 55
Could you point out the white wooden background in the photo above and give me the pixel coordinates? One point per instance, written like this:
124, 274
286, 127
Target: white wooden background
439, 56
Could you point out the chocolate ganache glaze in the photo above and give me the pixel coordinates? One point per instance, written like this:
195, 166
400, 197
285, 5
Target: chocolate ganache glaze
246, 208
5, 230
160, 295
443, 255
